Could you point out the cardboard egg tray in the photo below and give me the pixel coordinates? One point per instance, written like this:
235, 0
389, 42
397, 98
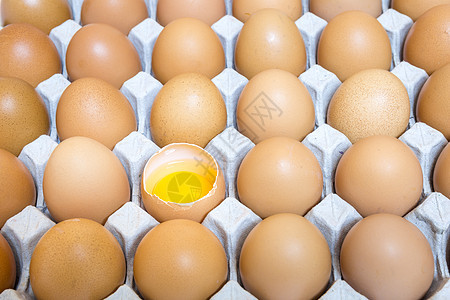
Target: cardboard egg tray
231, 221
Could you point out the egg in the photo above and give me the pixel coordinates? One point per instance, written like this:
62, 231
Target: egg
379, 174
84, 179
415, 8
94, 108
285, 257
43, 14
328, 9
208, 11
386, 257
7, 266
187, 45
433, 107
428, 41
189, 108
23, 115
17, 189
182, 181
370, 102
275, 103
269, 40
441, 178
123, 15
77, 259
30, 53
346, 49
279, 175
180, 259
102, 51
242, 9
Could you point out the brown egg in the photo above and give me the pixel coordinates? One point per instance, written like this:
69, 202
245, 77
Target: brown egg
188, 109
428, 41
269, 40
123, 15
279, 175
242, 9
441, 177
346, 49
7, 266
275, 103
30, 53
379, 174
184, 46
371, 102
208, 11
77, 259
84, 179
415, 8
433, 105
180, 259
43, 14
94, 108
328, 9
102, 51
23, 115
17, 189
285, 257
386, 257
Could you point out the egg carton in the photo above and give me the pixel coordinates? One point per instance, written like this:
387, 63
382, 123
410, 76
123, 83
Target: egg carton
231, 221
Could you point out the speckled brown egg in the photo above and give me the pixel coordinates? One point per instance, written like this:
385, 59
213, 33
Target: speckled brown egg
122, 14
242, 9
269, 40
328, 9
30, 53
208, 11
84, 179
346, 49
93, 108
415, 8
77, 259
7, 266
23, 115
187, 45
427, 44
441, 177
17, 189
188, 109
433, 105
180, 259
371, 102
102, 51
43, 14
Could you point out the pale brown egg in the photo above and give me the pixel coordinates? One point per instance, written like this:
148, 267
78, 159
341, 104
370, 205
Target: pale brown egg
102, 51
379, 174
269, 40
275, 103
184, 46
23, 115
93, 108
279, 175
7, 266
285, 257
188, 109
208, 11
441, 177
415, 8
386, 257
180, 259
242, 9
346, 48
433, 105
427, 44
43, 14
84, 179
182, 181
77, 259
371, 102
17, 189
122, 14
328, 9
31, 54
